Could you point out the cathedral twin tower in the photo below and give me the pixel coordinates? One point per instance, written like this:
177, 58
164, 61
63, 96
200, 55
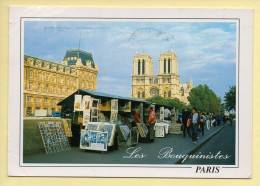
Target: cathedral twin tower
145, 84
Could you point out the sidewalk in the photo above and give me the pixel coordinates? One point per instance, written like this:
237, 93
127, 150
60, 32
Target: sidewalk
162, 151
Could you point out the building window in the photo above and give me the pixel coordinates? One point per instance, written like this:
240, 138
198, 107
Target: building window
143, 94
68, 81
53, 101
46, 100
39, 75
82, 85
61, 80
38, 100
39, 87
165, 93
68, 90
30, 86
54, 89
169, 65
47, 88
139, 94
29, 99
54, 79
182, 91
164, 66
143, 70
31, 74
47, 77
28, 110
169, 94
60, 90
139, 67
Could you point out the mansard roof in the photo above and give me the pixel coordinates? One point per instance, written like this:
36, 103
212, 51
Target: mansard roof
84, 56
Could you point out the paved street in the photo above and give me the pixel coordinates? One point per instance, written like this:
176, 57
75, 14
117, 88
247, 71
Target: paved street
224, 141
162, 151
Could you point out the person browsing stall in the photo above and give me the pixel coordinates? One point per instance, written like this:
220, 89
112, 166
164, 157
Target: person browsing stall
137, 118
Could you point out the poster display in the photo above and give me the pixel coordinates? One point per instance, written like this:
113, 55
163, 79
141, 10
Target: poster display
86, 103
103, 127
114, 105
53, 136
94, 110
77, 103
159, 131
93, 140
161, 113
128, 107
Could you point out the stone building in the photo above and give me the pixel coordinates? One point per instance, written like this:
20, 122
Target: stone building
145, 84
47, 83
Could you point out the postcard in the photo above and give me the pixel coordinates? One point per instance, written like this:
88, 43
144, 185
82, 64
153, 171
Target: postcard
187, 69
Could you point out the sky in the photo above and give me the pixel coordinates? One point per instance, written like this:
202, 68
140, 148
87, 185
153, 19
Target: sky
206, 51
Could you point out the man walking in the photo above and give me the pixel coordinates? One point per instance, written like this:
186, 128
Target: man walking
194, 123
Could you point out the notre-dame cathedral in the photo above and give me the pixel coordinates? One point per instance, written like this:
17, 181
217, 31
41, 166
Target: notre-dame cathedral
145, 84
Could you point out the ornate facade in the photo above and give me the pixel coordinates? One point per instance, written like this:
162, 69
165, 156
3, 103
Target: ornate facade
47, 83
145, 84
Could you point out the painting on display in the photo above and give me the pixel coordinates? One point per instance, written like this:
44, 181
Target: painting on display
125, 131
92, 126
67, 127
110, 129
77, 103
159, 131
143, 130
134, 135
93, 140
86, 117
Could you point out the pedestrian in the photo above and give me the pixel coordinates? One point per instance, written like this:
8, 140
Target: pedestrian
208, 121
150, 125
167, 114
137, 118
202, 123
185, 117
213, 121
194, 120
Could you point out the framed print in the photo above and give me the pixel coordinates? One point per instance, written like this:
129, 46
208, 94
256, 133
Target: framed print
195, 62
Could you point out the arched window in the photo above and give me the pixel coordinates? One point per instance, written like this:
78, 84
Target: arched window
139, 94
143, 67
169, 65
143, 95
165, 93
139, 67
164, 66
169, 94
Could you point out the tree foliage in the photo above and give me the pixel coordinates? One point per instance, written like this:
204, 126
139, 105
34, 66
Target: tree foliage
230, 99
176, 103
204, 99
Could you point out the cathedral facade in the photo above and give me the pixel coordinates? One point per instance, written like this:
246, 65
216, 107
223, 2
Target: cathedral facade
145, 84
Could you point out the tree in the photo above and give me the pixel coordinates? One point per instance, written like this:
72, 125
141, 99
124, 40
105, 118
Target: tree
176, 103
204, 99
230, 99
